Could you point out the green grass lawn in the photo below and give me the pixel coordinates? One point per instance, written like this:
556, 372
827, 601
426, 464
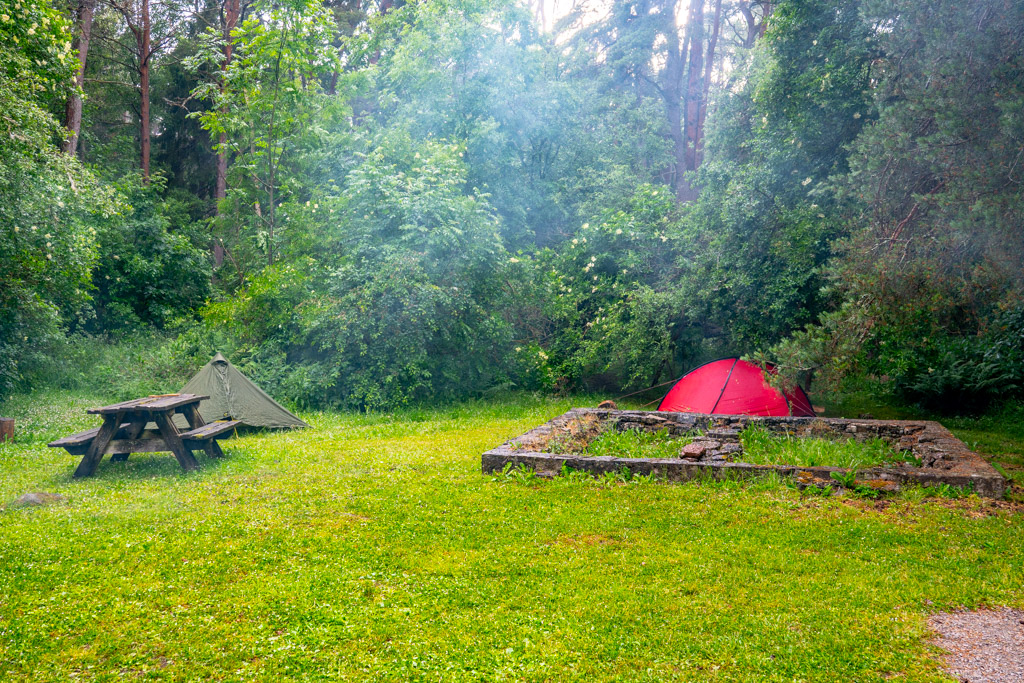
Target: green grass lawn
370, 548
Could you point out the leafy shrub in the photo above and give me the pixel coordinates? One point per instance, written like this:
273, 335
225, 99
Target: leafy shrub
47, 199
152, 265
395, 304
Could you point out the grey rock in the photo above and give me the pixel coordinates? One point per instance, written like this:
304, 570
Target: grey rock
35, 500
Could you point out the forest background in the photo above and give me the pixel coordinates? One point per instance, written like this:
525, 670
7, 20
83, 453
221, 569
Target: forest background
371, 203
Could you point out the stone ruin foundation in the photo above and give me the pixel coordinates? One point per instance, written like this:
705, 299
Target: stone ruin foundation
717, 452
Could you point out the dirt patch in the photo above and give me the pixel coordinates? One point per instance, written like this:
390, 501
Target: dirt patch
584, 540
983, 646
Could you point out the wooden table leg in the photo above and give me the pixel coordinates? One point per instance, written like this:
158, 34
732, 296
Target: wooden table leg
133, 431
92, 457
174, 442
196, 420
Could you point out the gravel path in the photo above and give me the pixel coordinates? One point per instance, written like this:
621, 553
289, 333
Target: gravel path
986, 646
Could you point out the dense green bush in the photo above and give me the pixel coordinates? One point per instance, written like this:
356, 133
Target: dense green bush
153, 264
398, 301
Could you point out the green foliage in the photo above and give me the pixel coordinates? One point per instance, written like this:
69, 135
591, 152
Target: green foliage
932, 267
47, 200
270, 104
764, 224
152, 265
604, 304
398, 305
142, 362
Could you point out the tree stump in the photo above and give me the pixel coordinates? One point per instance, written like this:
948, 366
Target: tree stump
6, 429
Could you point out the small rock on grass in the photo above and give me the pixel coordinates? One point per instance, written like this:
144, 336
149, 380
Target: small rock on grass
694, 449
35, 500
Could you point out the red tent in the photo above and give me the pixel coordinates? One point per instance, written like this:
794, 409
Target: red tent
734, 387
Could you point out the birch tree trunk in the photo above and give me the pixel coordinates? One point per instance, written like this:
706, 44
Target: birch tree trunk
73, 112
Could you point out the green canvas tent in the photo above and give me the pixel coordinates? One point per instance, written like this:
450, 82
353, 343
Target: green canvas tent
233, 396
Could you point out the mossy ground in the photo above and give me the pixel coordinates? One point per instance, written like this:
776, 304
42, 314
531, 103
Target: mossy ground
370, 548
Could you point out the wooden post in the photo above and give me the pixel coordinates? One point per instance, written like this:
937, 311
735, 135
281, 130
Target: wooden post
174, 442
6, 429
132, 433
92, 457
195, 420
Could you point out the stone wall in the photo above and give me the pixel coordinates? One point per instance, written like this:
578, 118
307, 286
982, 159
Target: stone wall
943, 458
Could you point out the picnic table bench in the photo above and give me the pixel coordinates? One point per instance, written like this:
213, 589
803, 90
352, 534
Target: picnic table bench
124, 431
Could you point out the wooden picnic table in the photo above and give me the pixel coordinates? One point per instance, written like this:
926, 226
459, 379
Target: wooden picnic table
124, 432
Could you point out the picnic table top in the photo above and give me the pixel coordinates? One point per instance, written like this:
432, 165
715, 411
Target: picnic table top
149, 404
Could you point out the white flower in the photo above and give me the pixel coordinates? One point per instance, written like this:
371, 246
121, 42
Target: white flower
814, 42
586, 225
17, 229
49, 256
618, 231
575, 241
518, 349
513, 260
806, 182
664, 239
856, 115
116, 257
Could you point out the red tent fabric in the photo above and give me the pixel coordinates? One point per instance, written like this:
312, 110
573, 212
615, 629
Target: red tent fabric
734, 387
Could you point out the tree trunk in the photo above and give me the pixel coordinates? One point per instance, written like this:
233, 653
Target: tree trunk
6, 429
143, 38
73, 113
674, 107
755, 27
685, 191
708, 67
231, 14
